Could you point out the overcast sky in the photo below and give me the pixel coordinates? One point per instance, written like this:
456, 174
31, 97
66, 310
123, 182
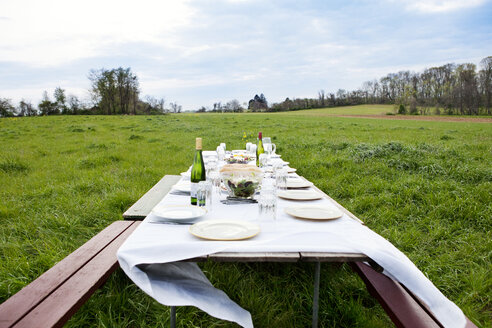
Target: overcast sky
200, 52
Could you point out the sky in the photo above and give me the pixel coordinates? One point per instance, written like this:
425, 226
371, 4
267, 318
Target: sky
196, 53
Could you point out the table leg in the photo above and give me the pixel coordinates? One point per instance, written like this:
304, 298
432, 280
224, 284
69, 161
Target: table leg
173, 317
317, 271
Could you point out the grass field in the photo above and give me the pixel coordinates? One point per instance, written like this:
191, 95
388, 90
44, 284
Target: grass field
425, 186
382, 111
348, 110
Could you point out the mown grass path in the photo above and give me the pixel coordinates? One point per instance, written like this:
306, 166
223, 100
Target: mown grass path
425, 186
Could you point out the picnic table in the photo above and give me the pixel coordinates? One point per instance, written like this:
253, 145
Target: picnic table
141, 209
404, 308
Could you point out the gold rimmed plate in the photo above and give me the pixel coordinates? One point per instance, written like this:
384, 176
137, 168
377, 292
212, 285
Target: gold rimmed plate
299, 194
225, 230
182, 186
312, 212
298, 183
178, 213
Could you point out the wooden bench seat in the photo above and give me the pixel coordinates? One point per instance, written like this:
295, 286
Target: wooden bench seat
51, 299
404, 309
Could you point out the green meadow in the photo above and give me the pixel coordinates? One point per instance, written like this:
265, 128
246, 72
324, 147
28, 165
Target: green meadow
425, 186
348, 110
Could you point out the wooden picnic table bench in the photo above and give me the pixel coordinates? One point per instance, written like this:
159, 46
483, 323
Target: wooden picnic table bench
51, 299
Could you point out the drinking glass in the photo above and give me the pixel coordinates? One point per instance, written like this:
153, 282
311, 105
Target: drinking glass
268, 149
214, 178
281, 178
263, 160
276, 166
220, 153
267, 202
223, 145
204, 194
209, 167
252, 150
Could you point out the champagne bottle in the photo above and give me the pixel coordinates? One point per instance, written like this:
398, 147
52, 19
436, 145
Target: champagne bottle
197, 171
259, 149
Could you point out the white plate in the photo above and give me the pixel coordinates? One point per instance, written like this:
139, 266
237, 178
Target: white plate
299, 194
179, 213
182, 186
224, 230
313, 212
298, 183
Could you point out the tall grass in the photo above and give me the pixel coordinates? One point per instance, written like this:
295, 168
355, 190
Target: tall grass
425, 186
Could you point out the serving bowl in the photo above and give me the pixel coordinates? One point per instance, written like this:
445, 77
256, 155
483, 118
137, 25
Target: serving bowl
241, 180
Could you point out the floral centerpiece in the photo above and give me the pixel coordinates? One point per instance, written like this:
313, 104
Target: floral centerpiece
239, 159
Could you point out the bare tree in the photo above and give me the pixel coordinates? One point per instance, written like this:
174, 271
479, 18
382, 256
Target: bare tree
321, 97
26, 108
74, 104
175, 108
486, 82
233, 106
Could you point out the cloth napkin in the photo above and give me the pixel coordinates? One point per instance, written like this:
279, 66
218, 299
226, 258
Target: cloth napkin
149, 257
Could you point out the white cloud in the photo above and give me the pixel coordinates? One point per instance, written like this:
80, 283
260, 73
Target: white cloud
439, 6
45, 33
196, 52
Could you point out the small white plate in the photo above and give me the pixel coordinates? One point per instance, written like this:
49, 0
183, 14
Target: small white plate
182, 186
298, 183
313, 212
179, 213
224, 230
299, 194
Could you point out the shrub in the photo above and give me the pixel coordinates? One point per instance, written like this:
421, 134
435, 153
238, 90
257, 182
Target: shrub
402, 110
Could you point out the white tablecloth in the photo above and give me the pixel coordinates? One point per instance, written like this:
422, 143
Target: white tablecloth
149, 257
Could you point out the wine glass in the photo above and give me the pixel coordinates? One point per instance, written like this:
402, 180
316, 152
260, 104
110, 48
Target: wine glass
268, 149
267, 142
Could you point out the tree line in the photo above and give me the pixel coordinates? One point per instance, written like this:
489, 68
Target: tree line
449, 89
114, 91
256, 104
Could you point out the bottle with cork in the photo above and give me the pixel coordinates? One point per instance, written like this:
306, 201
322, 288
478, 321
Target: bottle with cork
259, 149
197, 171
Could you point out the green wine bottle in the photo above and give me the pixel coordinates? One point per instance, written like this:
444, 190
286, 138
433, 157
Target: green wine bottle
259, 149
197, 171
